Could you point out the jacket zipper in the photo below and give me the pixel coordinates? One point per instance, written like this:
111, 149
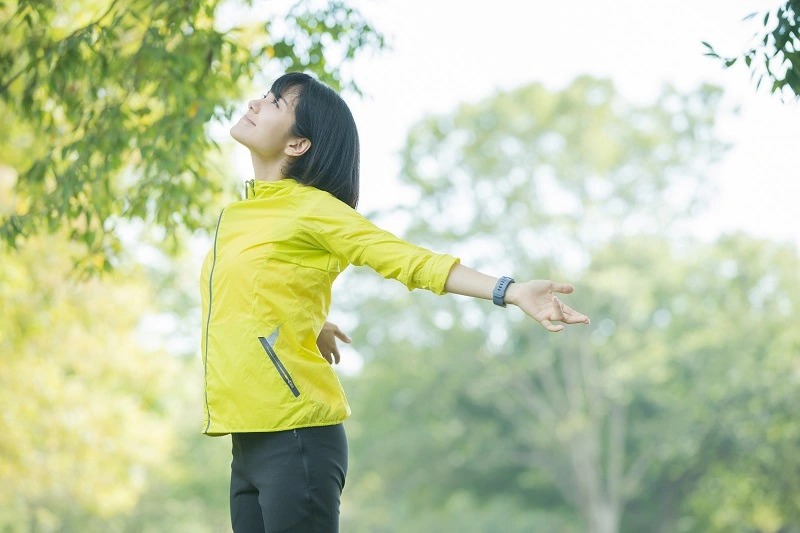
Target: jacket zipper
279, 366
249, 187
208, 318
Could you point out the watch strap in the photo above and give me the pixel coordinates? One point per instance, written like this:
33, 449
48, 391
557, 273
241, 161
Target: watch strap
499, 293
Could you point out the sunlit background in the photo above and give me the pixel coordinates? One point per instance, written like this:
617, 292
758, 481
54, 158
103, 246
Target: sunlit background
445, 53
593, 142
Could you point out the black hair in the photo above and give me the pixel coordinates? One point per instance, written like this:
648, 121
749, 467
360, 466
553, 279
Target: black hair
322, 117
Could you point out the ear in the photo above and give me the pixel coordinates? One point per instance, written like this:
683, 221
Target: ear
297, 146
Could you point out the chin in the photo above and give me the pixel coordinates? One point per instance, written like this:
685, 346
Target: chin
234, 131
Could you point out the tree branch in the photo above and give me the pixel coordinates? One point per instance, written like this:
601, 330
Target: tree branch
535, 403
590, 372
564, 482
616, 452
47, 50
631, 478
573, 382
552, 389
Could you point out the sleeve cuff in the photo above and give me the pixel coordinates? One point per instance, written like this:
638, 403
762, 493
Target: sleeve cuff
440, 271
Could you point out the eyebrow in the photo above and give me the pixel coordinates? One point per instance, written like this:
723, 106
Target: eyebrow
290, 91
276, 98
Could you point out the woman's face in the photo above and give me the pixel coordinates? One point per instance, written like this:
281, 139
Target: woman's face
266, 127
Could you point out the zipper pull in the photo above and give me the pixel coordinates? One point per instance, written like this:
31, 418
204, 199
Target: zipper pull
249, 186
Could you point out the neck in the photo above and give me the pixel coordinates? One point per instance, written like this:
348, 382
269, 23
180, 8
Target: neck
267, 170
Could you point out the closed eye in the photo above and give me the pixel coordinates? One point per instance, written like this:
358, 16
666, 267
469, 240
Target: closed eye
274, 100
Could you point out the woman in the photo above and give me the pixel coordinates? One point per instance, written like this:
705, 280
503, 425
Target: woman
266, 292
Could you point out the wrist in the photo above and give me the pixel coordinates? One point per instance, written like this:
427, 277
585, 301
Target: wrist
501, 290
512, 294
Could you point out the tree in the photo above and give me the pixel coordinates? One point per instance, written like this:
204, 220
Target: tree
540, 178
775, 56
86, 410
673, 408
114, 101
684, 387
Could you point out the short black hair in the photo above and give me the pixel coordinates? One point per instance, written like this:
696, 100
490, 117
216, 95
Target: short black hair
322, 117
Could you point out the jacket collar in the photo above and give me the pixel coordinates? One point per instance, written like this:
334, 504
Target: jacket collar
264, 189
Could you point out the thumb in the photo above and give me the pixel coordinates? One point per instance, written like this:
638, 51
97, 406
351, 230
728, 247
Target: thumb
563, 288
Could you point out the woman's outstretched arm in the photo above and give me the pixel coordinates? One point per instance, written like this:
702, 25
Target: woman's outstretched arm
537, 298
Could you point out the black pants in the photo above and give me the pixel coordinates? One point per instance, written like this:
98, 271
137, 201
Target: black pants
288, 481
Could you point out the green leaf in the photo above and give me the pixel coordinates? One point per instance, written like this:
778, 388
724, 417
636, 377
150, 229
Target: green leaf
120, 95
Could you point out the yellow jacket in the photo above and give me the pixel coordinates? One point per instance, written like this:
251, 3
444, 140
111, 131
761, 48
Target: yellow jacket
266, 291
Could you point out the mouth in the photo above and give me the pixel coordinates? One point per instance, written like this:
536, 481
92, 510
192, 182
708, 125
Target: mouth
248, 120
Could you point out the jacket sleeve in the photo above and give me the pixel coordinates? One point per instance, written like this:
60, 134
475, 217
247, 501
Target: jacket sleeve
346, 233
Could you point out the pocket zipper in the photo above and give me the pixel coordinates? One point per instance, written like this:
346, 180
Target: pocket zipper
278, 364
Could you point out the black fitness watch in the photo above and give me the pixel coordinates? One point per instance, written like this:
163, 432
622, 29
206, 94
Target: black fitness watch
499, 293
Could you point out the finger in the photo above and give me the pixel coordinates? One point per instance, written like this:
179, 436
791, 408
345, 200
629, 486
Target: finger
563, 288
572, 316
335, 355
342, 336
327, 357
558, 311
555, 328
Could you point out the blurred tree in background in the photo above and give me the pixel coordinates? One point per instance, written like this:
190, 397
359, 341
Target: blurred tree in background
571, 432
101, 421
86, 412
113, 101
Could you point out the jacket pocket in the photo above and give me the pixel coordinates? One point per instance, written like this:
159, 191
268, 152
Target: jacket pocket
268, 343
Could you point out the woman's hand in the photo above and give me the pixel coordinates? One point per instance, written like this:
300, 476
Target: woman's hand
326, 342
538, 299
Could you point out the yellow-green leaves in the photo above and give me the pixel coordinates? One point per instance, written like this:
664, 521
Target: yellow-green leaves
115, 100
84, 414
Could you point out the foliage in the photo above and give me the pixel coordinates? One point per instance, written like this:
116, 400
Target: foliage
643, 410
537, 176
748, 484
115, 100
705, 397
189, 493
558, 168
725, 357
86, 413
776, 53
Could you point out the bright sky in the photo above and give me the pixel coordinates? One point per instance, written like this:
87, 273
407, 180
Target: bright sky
448, 51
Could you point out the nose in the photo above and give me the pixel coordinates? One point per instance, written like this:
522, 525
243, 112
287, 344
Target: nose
255, 105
